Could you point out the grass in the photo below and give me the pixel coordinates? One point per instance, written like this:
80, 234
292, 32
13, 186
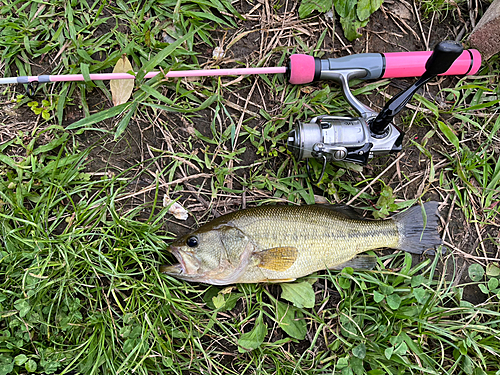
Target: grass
81, 241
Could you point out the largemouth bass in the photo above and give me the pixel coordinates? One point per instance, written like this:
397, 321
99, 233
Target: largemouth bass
282, 243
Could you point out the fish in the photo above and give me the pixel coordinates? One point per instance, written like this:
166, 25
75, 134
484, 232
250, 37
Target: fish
279, 243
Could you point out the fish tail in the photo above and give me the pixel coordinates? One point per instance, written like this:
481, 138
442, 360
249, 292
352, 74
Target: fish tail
415, 236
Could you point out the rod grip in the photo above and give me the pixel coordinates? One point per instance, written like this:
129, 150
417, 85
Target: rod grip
412, 64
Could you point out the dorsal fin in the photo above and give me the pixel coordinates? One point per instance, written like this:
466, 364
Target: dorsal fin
344, 210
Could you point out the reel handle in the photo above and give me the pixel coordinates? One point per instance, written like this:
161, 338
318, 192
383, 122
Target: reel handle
444, 55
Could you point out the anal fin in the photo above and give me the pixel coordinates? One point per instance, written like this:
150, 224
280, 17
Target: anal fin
360, 262
277, 258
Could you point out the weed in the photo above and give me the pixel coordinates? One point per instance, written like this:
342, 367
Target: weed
353, 15
441, 8
44, 109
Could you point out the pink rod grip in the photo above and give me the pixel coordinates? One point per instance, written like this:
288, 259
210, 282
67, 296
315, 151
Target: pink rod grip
412, 64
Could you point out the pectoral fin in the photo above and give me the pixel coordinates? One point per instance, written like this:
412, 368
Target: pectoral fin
277, 258
361, 262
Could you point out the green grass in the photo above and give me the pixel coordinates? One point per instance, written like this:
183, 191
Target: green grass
79, 283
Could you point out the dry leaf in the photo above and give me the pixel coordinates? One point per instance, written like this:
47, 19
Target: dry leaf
121, 89
175, 209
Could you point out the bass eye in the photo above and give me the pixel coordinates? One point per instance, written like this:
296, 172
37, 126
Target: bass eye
192, 241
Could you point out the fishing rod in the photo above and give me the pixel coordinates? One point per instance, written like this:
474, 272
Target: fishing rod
114, 76
32, 82
333, 138
301, 69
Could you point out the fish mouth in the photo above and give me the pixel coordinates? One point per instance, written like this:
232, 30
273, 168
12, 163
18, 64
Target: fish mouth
174, 269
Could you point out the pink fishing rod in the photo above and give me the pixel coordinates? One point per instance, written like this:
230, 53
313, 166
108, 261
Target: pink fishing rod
171, 74
301, 69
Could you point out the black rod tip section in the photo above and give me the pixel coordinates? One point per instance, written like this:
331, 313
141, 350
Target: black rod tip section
444, 55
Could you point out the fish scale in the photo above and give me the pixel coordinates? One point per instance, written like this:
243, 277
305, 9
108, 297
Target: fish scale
325, 240
281, 243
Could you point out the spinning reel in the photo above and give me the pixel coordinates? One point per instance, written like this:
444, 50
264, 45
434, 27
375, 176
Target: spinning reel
358, 139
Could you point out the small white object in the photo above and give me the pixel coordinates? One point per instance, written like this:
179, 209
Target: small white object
329, 16
175, 209
167, 38
218, 53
